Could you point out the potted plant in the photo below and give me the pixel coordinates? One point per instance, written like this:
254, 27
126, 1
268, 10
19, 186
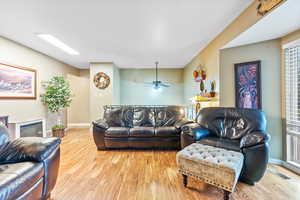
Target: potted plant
57, 97
213, 88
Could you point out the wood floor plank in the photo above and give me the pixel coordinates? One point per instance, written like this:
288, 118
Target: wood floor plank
88, 174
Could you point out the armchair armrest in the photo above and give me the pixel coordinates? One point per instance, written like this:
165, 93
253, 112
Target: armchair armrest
34, 149
196, 131
254, 138
101, 123
180, 123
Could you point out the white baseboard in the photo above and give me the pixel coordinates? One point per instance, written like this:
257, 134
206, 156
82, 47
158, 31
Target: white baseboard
275, 161
285, 164
291, 167
79, 125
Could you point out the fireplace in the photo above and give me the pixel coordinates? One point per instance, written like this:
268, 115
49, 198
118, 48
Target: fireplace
32, 128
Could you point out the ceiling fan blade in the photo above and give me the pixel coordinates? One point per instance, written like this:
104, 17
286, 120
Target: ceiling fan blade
165, 85
148, 83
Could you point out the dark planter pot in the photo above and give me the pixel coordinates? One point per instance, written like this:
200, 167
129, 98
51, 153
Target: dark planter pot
212, 94
58, 132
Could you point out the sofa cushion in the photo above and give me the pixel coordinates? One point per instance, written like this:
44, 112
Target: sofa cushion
167, 116
36, 149
142, 132
166, 131
117, 132
232, 123
224, 143
144, 116
118, 116
17, 178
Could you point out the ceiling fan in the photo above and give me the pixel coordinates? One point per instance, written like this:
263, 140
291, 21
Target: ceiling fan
158, 84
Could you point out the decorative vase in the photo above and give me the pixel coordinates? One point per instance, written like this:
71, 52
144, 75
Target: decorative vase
202, 87
212, 94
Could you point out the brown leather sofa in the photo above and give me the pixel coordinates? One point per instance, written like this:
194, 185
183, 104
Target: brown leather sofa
139, 127
235, 129
28, 167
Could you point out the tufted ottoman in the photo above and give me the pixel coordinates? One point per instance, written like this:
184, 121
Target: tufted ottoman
215, 166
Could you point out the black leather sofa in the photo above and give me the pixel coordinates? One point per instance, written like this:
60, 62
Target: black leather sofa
28, 167
139, 127
242, 130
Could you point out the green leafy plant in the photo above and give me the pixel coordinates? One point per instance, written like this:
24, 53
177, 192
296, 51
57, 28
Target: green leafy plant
58, 127
57, 96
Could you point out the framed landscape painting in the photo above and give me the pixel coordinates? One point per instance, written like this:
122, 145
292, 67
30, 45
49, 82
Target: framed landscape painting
247, 85
17, 82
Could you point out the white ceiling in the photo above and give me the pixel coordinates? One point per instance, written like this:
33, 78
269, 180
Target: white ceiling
130, 33
282, 21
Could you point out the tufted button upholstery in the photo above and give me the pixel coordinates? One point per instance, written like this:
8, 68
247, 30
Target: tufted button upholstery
213, 165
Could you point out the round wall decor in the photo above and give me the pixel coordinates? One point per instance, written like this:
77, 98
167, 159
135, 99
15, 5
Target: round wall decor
101, 80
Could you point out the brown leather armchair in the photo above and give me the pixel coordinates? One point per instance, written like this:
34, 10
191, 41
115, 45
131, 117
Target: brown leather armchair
242, 130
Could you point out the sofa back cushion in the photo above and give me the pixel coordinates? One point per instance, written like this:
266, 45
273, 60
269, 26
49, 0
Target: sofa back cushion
118, 116
144, 116
232, 123
168, 115
4, 136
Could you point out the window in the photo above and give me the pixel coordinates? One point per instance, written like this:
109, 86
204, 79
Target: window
292, 90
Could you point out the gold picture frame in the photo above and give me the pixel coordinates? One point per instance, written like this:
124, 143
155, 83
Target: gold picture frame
265, 6
17, 82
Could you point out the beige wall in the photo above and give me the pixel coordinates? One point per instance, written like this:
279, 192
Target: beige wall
209, 56
84, 73
78, 112
116, 86
269, 53
101, 97
290, 37
47, 67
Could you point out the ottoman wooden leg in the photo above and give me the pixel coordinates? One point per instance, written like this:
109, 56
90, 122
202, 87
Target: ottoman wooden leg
226, 195
185, 180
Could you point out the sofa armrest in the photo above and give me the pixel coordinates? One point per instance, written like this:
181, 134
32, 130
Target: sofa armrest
253, 139
34, 149
195, 130
101, 123
180, 123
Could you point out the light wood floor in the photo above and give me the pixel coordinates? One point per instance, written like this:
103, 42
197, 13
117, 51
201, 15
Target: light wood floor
88, 174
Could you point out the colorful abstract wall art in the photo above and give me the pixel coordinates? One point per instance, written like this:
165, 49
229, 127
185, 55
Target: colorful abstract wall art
248, 85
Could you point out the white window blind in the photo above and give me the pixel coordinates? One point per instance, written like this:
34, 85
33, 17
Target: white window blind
292, 88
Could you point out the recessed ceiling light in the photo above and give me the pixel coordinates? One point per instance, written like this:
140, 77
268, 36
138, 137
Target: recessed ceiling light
57, 43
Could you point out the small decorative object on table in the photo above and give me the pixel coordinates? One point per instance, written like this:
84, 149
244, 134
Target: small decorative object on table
57, 97
213, 88
215, 166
